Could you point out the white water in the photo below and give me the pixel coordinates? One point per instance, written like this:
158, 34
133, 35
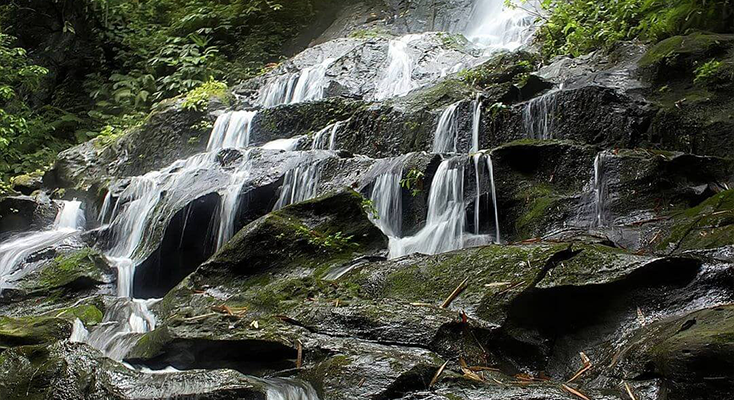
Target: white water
69, 221
123, 324
309, 84
444, 229
79, 333
325, 139
600, 219
289, 389
397, 79
290, 144
299, 184
538, 116
494, 26
231, 130
476, 124
447, 131
387, 197
477, 159
490, 170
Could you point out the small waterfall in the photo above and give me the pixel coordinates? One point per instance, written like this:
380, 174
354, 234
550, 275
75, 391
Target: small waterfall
447, 131
397, 79
289, 389
290, 144
309, 84
538, 116
231, 130
477, 158
123, 324
323, 142
490, 170
79, 333
69, 221
495, 26
387, 197
600, 219
230, 203
444, 229
476, 123
299, 184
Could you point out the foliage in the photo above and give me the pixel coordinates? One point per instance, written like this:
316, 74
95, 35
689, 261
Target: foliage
709, 72
413, 182
198, 99
369, 207
129, 55
577, 27
336, 241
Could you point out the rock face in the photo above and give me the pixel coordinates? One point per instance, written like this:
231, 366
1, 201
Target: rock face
583, 210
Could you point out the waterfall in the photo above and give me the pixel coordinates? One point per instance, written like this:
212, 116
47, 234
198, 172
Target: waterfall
309, 84
289, 389
538, 116
323, 142
290, 144
447, 131
299, 184
444, 229
490, 170
600, 217
78, 332
123, 323
397, 79
476, 122
69, 221
476, 158
230, 203
495, 26
387, 197
231, 130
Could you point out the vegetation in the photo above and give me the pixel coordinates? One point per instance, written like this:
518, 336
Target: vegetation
71, 70
577, 27
413, 182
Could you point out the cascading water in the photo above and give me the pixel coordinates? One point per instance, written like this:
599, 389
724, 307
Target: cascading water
290, 144
490, 170
397, 79
299, 184
231, 130
289, 389
486, 158
600, 219
447, 131
538, 116
69, 221
307, 85
386, 195
495, 26
325, 139
444, 229
476, 124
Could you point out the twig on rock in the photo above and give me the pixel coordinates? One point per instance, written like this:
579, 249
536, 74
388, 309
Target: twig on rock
462, 286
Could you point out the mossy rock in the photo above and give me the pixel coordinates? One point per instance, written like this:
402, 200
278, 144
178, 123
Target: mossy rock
706, 226
693, 354
25, 331
679, 55
76, 271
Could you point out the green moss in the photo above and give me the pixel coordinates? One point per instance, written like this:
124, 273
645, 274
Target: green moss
69, 270
87, 313
32, 330
669, 50
198, 99
373, 33
708, 225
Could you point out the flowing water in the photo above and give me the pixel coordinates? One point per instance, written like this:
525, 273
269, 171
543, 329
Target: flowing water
495, 26
476, 124
387, 196
538, 116
69, 221
325, 139
397, 79
447, 132
445, 223
299, 184
306, 85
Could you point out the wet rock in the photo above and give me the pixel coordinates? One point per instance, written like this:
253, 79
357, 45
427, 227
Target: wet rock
27, 184
692, 354
32, 330
72, 370
22, 213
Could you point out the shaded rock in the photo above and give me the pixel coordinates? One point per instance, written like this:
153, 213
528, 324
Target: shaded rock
70, 370
23, 213
32, 330
28, 183
692, 354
